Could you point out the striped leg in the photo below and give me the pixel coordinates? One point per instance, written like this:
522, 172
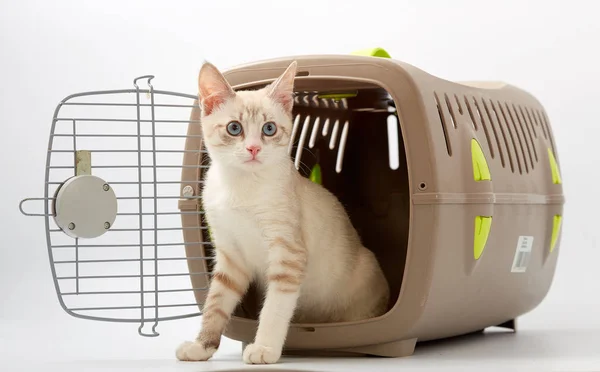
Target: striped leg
287, 263
228, 285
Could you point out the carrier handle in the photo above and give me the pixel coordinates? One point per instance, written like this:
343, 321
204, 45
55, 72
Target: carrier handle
372, 52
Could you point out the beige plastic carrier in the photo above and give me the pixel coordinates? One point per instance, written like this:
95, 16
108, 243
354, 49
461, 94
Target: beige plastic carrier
465, 222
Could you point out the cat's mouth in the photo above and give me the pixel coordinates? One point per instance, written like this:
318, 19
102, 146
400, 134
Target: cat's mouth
252, 161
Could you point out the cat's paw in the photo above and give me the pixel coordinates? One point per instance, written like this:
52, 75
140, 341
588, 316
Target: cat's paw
194, 351
260, 354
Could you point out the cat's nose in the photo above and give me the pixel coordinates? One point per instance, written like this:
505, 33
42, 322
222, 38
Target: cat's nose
253, 150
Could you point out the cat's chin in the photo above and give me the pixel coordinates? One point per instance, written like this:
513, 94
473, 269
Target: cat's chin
251, 166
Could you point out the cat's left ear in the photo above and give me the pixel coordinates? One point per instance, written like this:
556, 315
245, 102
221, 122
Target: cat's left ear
282, 89
213, 89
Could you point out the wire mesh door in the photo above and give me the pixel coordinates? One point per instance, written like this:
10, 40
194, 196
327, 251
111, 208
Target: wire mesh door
132, 144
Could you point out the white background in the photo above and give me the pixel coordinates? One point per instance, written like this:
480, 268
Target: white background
54, 48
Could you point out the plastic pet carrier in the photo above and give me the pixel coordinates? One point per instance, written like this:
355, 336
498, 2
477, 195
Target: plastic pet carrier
454, 186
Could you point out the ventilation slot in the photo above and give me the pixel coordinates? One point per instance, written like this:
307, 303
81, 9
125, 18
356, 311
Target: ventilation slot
473, 121
460, 109
547, 126
510, 127
531, 128
443, 122
521, 133
525, 122
530, 118
485, 129
451, 110
491, 121
541, 123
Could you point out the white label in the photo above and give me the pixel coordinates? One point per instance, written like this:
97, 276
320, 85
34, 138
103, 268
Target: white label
522, 254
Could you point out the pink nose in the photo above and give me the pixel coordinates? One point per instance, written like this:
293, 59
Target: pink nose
253, 150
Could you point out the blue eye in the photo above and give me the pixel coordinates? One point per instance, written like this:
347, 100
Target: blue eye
234, 128
269, 129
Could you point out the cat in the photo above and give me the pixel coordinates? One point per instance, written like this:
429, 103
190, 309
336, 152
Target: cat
272, 226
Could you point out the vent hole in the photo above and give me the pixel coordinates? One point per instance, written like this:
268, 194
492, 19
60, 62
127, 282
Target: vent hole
525, 128
473, 122
443, 122
451, 110
541, 121
485, 129
547, 128
500, 152
531, 122
302, 73
533, 144
520, 134
512, 140
460, 109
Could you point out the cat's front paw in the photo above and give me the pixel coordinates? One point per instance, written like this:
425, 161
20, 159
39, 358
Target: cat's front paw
260, 354
194, 351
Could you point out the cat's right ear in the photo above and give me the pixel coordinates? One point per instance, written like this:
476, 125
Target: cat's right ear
213, 89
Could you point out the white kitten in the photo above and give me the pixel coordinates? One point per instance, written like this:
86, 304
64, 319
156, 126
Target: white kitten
272, 226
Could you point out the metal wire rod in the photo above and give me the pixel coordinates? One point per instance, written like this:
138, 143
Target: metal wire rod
126, 120
100, 135
136, 151
126, 104
134, 260
128, 183
129, 307
133, 213
94, 293
125, 276
146, 229
199, 166
128, 245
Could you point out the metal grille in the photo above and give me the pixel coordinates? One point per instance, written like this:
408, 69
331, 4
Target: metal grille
137, 271
149, 266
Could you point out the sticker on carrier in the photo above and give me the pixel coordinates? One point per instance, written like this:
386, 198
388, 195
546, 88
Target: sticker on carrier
522, 254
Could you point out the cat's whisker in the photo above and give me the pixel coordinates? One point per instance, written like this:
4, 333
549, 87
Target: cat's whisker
303, 168
302, 140
308, 150
294, 131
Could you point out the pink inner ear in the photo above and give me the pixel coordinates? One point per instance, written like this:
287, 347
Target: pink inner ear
212, 102
284, 98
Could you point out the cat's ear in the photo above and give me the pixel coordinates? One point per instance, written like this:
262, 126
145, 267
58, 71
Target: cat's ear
213, 89
282, 89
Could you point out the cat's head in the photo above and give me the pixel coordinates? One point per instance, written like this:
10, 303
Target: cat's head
248, 130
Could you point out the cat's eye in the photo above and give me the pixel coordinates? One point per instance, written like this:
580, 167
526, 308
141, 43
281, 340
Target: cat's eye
234, 128
269, 129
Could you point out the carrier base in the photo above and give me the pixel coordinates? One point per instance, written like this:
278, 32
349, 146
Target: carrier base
393, 349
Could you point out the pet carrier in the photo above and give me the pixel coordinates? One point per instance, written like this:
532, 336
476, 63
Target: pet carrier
454, 186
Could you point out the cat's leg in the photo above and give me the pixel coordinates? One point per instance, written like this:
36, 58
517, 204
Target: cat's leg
287, 264
227, 287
